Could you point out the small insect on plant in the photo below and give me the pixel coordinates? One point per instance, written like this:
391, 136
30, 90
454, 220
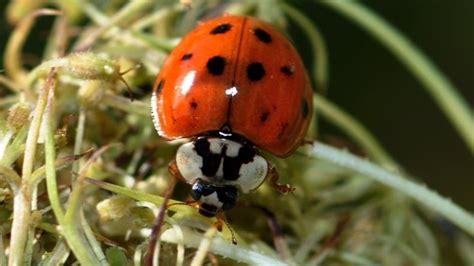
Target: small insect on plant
233, 85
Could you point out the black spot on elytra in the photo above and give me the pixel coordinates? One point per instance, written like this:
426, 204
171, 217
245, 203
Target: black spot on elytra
304, 108
287, 70
215, 65
193, 104
284, 126
262, 35
186, 56
264, 116
160, 86
255, 71
223, 28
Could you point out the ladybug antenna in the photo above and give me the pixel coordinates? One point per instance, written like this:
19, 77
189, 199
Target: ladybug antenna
130, 69
121, 74
234, 239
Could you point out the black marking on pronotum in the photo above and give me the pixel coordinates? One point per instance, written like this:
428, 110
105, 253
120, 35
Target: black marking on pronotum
210, 161
215, 65
232, 164
287, 70
255, 71
223, 28
160, 86
186, 57
264, 116
262, 35
304, 108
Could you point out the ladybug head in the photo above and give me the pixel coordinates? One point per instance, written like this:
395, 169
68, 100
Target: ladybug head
213, 199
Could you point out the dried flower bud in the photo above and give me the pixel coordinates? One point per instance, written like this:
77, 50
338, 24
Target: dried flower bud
115, 207
142, 217
18, 116
91, 93
92, 66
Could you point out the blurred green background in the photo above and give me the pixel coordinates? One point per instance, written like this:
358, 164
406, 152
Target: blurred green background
369, 83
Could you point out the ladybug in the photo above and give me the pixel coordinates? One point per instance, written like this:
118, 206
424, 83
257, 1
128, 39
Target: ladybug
234, 86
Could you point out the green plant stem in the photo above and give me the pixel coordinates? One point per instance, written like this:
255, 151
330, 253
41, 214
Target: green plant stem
130, 10
3, 257
95, 245
433, 80
12, 178
204, 247
16, 147
221, 247
10, 84
122, 103
426, 197
8, 101
70, 227
157, 43
60, 163
50, 164
23, 199
58, 255
155, 17
355, 130
12, 58
79, 139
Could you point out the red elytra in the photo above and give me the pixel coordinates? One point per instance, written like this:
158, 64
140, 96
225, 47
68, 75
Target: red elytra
234, 73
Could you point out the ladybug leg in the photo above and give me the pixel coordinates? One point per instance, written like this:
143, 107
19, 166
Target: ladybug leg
273, 181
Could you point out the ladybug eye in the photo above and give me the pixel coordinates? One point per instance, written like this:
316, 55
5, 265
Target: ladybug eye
223, 28
262, 35
255, 71
215, 65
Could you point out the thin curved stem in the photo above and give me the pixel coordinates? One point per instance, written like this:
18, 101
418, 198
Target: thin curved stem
320, 55
434, 81
23, 199
419, 192
221, 247
355, 130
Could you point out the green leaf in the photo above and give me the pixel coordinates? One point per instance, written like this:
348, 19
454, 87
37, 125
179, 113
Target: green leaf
116, 257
